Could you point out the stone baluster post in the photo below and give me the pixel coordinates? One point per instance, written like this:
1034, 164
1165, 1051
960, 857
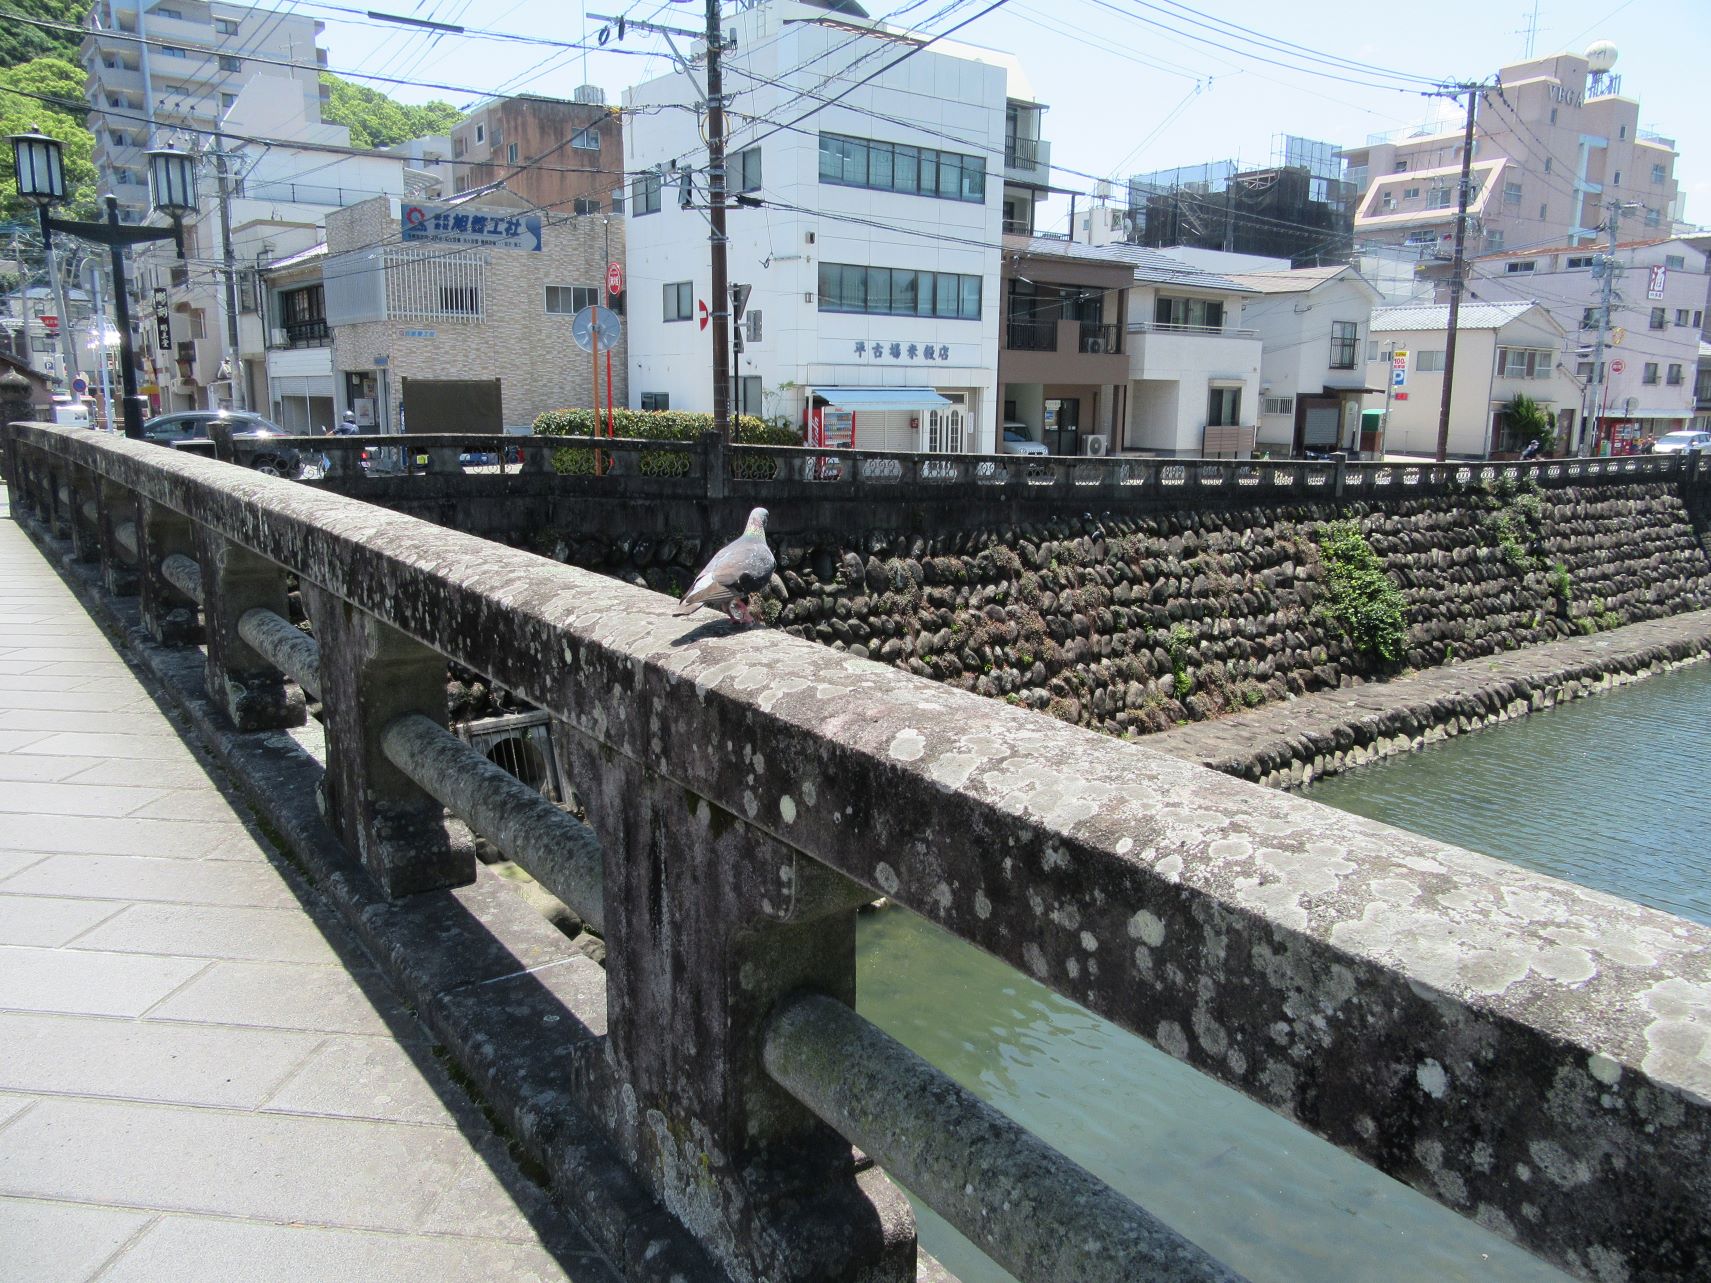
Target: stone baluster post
15, 407
372, 674
709, 922
117, 506
85, 530
254, 694
170, 617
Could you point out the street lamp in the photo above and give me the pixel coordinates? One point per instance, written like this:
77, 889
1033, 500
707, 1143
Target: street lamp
38, 160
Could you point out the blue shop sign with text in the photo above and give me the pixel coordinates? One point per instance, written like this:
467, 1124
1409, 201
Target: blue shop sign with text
443, 225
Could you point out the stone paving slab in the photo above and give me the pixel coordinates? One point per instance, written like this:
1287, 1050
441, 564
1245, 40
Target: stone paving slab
201, 1076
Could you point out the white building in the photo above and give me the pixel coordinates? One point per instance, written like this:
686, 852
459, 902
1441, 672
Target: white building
1313, 325
1502, 349
874, 258
154, 66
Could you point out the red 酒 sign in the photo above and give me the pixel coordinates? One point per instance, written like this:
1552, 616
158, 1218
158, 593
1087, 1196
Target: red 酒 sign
614, 279
50, 322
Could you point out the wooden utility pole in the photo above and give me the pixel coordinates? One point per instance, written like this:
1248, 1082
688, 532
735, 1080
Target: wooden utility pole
1458, 269
720, 302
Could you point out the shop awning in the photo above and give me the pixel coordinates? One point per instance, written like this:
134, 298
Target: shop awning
882, 398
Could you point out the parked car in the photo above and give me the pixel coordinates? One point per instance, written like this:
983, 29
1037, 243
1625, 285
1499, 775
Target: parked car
73, 411
1683, 440
1017, 441
251, 435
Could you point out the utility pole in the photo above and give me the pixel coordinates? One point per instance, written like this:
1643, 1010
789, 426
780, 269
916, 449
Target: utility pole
1458, 269
1599, 384
100, 333
234, 358
67, 345
720, 302
21, 347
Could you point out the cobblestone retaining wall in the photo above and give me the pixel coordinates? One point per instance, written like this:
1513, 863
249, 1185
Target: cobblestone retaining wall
1133, 625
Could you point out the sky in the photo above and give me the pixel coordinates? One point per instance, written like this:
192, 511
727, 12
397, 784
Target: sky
1126, 94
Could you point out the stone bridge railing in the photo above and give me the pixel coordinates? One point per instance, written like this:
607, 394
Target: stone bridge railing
711, 470
1532, 1054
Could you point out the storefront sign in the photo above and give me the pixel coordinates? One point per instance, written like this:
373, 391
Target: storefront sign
1656, 278
879, 350
1399, 368
440, 225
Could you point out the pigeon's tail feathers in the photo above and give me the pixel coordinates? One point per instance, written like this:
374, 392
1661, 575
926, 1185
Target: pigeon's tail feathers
705, 591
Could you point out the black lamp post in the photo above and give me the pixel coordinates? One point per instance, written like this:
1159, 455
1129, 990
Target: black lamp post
172, 174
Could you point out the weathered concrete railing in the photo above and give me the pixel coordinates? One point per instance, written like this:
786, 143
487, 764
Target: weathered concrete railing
1532, 1054
706, 467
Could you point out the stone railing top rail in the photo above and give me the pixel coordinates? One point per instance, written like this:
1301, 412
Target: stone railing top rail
1532, 1053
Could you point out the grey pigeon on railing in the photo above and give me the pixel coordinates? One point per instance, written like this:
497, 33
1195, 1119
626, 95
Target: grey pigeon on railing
742, 567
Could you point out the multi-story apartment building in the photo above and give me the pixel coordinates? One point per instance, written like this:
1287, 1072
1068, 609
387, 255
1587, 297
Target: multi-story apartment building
563, 157
459, 308
1556, 143
875, 193
1657, 312
153, 66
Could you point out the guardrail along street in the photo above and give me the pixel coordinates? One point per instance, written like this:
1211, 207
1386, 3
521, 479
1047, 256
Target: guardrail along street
1530, 1053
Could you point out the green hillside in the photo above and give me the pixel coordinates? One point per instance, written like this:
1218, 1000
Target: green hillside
20, 42
377, 120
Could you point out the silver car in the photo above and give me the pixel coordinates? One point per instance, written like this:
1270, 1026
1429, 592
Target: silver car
1683, 440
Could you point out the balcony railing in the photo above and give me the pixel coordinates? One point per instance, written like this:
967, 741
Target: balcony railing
1097, 337
1031, 336
1216, 331
310, 333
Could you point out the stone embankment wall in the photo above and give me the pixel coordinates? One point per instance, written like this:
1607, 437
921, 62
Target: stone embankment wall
1133, 625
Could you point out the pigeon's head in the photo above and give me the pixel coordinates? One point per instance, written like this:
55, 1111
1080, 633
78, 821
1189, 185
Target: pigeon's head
757, 522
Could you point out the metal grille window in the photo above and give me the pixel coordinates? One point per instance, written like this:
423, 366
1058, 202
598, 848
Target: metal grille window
425, 286
1345, 343
1278, 405
679, 300
568, 300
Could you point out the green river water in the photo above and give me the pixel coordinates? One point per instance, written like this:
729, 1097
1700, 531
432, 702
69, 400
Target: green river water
1612, 792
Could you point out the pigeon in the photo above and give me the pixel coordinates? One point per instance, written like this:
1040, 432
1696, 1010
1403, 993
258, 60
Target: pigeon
739, 569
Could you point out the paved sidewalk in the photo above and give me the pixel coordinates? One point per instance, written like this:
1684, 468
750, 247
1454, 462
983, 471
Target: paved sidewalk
201, 1080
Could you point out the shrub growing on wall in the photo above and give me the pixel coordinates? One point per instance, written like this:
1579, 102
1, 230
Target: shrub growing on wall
1359, 596
653, 425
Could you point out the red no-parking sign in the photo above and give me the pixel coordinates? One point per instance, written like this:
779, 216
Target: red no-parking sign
1617, 366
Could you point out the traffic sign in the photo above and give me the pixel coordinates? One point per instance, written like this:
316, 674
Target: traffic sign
1618, 366
80, 385
614, 279
50, 322
739, 301
702, 305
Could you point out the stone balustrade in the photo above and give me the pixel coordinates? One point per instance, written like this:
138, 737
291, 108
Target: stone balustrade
1533, 1054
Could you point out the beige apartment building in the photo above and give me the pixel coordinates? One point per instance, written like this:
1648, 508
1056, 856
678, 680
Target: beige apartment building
473, 304
1556, 144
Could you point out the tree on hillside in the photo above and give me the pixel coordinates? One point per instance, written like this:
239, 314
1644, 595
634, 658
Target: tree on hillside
20, 42
27, 96
376, 120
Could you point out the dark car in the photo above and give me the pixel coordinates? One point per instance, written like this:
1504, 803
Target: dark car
252, 437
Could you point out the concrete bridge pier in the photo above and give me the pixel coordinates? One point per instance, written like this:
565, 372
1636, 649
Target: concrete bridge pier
710, 922
372, 674
254, 694
169, 615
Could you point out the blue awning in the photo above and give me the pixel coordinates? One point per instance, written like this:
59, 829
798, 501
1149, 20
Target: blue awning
882, 398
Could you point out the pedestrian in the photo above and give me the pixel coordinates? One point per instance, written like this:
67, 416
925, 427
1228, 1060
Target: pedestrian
1532, 449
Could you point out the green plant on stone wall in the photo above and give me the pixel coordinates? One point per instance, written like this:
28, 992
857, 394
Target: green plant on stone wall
1359, 596
1562, 584
658, 425
1176, 645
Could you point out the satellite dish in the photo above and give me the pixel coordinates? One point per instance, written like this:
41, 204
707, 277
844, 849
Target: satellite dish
591, 322
1601, 56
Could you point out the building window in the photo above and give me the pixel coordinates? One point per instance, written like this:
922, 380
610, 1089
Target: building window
223, 26
1651, 373
644, 195
1580, 260
897, 167
1223, 407
511, 153
1494, 238
1547, 164
745, 170
1616, 179
1621, 132
617, 200
1553, 115
1277, 405
1188, 313
587, 139
1653, 218
1401, 167
749, 394
1658, 318
887, 291
171, 51
568, 300
1429, 362
680, 300
1525, 363
1345, 341
585, 205
656, 401
1371, 350
1673, 376
480, 133
1411, 193
1589, 318
1659, 173
1675, 261
1438, 198
228, 101
1698, 319
1511, 193
1521, 265
422, 286
1681, 315
229, 63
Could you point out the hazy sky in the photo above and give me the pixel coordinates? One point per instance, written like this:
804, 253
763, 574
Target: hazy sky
1127, 95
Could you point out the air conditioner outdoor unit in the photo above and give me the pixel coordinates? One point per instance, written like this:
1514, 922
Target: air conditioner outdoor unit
1097, 445
1094, 346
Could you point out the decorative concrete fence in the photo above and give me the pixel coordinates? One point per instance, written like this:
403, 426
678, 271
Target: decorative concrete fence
1532, 1054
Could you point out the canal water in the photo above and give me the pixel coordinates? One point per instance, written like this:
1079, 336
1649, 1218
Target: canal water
1610, 791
